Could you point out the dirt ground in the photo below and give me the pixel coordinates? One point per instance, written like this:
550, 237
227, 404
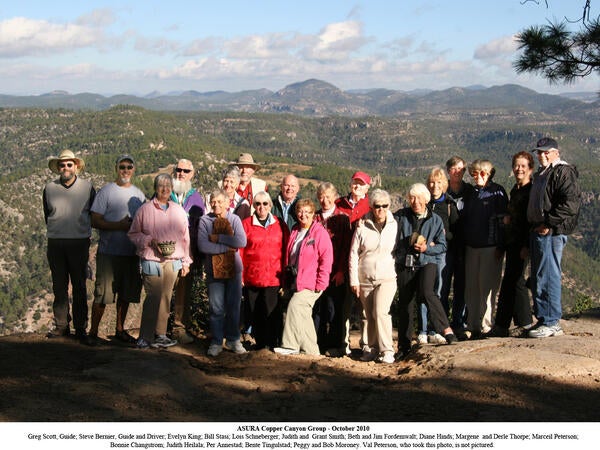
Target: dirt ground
501, 379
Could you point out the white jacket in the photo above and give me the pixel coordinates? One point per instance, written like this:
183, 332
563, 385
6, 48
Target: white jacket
372, 253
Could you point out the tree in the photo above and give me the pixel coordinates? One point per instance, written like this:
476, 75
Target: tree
558, 54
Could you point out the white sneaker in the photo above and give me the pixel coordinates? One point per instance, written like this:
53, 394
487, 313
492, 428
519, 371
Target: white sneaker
388, 358
546, 331
422, 338
214, 350
436, 339
235, 347
286, 351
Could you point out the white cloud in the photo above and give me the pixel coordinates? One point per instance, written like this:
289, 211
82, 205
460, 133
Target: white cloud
20, 36
498, 48
337, 40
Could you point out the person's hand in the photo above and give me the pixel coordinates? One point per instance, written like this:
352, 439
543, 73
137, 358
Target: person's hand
355, 290
524, 253
214, 238
125, 223
542, 230
338, 278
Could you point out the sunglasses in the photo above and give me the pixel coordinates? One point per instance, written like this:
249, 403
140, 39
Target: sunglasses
179, 170
124, 167
381, 206
65, 164
261, 203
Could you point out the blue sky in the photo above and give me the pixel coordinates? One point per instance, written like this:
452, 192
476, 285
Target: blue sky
137, 47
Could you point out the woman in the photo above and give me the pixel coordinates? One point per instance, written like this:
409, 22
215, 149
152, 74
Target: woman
309, 255
514, 302
444, 206
161, 235
483, 214
421, 240
332, 310
237, 204
372, 274
262, 261
220, 235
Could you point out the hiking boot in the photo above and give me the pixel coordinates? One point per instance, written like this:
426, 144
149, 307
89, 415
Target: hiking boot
369, 355
91, 340
142, 343
544, 331
235, 347
499, 332
58, 332
214, 350
520, 332
125, 337
450, 338
436, 339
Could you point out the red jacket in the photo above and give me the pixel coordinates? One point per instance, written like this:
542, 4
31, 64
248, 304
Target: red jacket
359, 210
340, 232
262, 258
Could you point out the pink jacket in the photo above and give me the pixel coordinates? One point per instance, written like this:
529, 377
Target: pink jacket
315, 258
152, 222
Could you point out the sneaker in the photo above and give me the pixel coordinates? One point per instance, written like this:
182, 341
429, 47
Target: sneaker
544, 331
162, 341
369, 355
388, 358
436, 339
214, 350
450, 338
422, 338
286, 351
142, 343
235, 347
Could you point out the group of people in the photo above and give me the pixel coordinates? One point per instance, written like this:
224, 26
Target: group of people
288, 270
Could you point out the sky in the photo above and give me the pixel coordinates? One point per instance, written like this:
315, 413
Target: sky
137, 47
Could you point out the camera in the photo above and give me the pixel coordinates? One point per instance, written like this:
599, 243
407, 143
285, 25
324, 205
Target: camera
410, 261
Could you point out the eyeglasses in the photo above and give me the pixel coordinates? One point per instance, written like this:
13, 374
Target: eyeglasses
126, 167
261, 203
481, 174
62, 165
179, 170
381, 206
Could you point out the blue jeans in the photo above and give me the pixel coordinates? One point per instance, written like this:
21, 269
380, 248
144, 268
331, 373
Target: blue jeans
423, 320
224, 300
546, 254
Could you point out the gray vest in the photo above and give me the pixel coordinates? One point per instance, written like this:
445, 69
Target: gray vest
69, 209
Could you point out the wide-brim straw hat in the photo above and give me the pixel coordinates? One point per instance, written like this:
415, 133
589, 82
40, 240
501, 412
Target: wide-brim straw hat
65, 155
246, 159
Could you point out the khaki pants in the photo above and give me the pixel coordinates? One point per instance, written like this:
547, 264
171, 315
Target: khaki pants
299, 330
377, 300
483, 274
157, 305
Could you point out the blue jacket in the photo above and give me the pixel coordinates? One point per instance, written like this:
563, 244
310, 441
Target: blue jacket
432, 228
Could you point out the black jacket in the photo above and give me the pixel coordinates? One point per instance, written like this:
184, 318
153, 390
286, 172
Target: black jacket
562, 199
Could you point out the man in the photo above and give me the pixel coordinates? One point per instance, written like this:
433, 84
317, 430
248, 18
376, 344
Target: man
67, 202
117, 265
552, 213
356, 204
458, 189
249, 184
192, 202
284, 205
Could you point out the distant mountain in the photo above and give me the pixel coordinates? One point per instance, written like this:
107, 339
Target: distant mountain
318, 98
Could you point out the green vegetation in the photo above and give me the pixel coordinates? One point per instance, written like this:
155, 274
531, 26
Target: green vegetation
399, 150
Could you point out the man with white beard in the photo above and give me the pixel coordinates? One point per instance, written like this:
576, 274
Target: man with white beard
185, 195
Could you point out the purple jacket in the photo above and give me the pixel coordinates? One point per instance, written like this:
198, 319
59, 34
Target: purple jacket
315, 258
194, 206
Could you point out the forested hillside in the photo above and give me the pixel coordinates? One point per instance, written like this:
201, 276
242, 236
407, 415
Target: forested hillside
400, 149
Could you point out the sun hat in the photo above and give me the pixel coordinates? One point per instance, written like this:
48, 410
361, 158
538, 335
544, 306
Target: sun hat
65, 155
